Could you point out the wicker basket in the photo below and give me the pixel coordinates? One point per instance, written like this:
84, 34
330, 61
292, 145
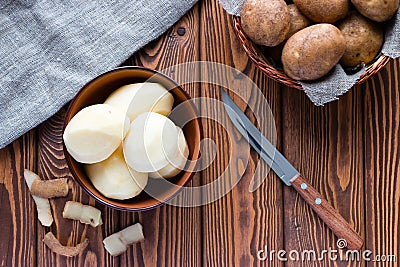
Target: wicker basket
265, 65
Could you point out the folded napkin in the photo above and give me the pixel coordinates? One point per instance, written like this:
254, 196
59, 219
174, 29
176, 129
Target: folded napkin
49, 49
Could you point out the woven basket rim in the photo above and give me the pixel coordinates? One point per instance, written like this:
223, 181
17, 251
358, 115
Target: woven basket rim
262, 63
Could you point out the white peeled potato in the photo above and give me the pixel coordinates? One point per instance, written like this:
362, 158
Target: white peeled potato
135, 99
119, 242
95, 132
114, 179
177, 163
151, 141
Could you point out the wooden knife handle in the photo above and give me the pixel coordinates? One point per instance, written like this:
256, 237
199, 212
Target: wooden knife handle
327, 213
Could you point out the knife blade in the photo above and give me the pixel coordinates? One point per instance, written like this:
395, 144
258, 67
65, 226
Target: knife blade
289, 175
278, 163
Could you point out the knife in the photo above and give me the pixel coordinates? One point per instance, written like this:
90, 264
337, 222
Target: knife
290, 176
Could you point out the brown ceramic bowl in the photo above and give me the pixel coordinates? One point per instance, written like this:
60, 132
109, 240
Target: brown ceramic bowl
96, 91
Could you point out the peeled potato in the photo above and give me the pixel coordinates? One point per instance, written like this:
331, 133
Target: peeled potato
135, 99
177, 163
95, 132
114, 179
151, 141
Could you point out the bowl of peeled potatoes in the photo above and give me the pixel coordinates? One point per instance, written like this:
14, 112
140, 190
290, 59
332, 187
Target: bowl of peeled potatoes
131, 138
303, 40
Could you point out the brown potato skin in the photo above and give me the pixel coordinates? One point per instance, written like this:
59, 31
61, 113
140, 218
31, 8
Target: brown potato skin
266, 22
297, 20
377, 10
364, 39
323, 11
312, 52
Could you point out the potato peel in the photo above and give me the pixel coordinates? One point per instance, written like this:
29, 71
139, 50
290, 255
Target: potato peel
54, 245
42, 204
50, 188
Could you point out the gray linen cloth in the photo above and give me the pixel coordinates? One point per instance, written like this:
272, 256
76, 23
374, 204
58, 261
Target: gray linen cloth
49, 49
337, 82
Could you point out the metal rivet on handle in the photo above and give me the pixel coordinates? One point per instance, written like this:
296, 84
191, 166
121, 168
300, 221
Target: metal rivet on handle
303, 186
318, 201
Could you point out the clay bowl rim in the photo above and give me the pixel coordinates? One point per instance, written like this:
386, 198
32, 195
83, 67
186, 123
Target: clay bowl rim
70, 160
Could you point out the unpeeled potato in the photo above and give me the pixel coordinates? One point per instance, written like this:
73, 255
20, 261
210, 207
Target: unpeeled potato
327, 11
364, 39
377, 10
312, 52
266, 22
297, 20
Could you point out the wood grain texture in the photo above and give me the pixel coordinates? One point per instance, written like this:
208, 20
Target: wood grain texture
327, 213
52, 164
165, 227
326, 145
382, 162
171, 236
238, 225
348, 150
18, 217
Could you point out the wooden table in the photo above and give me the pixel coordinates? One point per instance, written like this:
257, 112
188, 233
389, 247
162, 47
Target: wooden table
349, 150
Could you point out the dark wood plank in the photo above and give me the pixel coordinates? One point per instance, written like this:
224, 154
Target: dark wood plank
52, 164
172, 238
172, 223
49, 163
325, 145
329, 215
18, 217
347, 150
382, 158
240, 224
